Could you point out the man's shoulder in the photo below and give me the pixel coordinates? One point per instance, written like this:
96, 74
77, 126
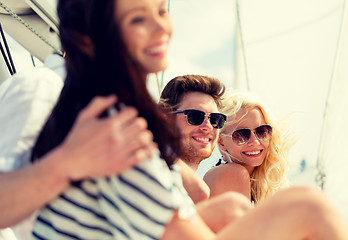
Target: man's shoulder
29, 81
26, 100
36, 74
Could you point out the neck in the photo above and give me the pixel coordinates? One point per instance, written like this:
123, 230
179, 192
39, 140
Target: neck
192, 165
249, 168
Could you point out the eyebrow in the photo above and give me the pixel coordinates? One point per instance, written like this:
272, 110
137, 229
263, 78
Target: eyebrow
139, 8
130, 11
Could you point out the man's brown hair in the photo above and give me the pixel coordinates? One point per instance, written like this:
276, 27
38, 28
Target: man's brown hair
176, 89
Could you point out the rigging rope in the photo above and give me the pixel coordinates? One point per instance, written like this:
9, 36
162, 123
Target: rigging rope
321, 176
27, 25
32, 60
160, 86
6, 60
9, 63
242, 45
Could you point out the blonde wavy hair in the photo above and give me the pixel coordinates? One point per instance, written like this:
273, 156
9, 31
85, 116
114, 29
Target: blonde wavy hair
271, 175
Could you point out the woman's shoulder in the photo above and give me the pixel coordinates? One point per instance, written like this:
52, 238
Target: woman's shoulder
230, 172
228, 177
227, 168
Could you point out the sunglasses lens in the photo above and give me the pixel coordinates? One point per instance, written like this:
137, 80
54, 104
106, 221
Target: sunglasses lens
241, 136
263, 132
195, 117
217, 120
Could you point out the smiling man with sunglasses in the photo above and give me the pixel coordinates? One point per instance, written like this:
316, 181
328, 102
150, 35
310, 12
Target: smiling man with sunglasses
195, 100
192, 103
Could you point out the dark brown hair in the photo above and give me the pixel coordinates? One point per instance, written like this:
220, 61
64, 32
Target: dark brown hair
176, 89
98, 64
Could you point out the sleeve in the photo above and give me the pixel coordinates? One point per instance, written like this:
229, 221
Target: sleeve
141, 201
25, 103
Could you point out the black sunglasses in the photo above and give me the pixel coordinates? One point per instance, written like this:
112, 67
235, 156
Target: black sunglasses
242, 136
196, 118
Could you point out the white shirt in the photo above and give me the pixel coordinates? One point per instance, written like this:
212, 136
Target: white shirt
26, 100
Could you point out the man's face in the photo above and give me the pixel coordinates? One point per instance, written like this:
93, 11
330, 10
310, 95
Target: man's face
198, 142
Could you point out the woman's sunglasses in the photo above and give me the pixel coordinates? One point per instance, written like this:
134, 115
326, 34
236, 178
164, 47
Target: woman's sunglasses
197, 117
242, 136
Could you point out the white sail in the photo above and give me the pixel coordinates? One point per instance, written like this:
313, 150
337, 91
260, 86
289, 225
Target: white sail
290, 50
332, 160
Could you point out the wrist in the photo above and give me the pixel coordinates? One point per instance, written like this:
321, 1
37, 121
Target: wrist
52, 168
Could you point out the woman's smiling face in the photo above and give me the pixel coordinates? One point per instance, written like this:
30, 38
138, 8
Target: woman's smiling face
252, 153
146, 29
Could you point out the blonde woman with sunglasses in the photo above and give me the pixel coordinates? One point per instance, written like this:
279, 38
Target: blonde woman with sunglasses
253, 149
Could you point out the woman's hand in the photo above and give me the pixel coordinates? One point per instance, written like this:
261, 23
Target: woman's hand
104, 146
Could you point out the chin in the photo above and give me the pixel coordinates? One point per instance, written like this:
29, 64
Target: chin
157, 67
253, 164
206, 154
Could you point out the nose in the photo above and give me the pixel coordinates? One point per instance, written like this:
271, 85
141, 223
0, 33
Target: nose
253, 139
161, 24
206, 125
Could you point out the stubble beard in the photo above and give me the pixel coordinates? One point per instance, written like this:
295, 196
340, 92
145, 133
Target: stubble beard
194, 156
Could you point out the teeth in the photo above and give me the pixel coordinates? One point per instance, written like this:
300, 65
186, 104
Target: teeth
252, 153
158, 49
202, 139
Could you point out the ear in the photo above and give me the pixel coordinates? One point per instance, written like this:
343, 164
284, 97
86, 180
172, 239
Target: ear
221, 144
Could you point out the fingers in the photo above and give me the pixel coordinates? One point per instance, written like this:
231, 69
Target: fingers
131, 147
131, 158
126, 117
97, 106
139, 141
115, 143
125, 126
141, 154
133, 129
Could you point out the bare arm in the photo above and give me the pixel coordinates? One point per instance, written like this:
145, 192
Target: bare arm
24, 190
296, 213
228, 177
196, 188
217, 212
95, 147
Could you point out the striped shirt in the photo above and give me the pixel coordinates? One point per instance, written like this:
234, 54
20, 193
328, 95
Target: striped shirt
136, 204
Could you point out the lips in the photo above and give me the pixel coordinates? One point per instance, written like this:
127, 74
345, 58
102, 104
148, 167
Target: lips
159, 49
253, 153
202, 139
